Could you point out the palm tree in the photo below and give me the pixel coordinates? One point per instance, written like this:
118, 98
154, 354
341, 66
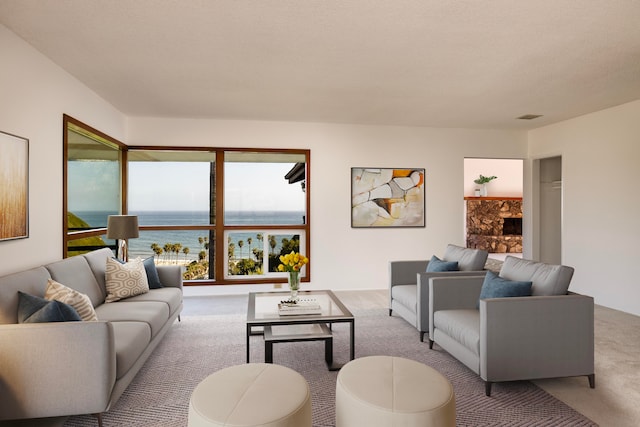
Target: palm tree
176, 249
157, 250
167, 250
249, 241
240, 244
273, 243
185, 251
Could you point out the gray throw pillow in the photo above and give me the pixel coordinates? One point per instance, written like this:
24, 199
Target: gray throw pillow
33, 309
152, 273
495, 286
437, 265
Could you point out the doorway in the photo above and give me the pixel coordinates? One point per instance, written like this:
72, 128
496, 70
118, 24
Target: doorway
550, 210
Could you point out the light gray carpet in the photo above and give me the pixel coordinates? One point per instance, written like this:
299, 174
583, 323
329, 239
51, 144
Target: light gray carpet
201, 345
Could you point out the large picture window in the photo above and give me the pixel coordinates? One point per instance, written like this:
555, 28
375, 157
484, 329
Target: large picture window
226, 215
93, 173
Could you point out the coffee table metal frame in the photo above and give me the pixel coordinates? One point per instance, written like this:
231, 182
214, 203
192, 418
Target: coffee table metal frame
333, 311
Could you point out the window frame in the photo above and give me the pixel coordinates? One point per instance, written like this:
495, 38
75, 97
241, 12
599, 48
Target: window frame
219, 247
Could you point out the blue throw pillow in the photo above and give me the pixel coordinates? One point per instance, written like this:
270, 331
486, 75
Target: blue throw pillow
436, 264
152, 273
32, 309
495, 286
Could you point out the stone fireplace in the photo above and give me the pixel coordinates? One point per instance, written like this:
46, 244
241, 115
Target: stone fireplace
494, 224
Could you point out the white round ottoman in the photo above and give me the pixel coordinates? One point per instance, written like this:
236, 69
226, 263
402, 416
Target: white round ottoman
392, 391
255, 394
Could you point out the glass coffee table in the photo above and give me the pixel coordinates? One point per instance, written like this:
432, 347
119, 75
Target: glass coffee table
263, 314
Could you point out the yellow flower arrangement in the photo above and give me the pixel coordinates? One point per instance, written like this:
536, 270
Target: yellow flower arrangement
292, 262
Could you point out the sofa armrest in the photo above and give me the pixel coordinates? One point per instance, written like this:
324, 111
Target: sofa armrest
452, 293
423, 298
404, 272
56, 369
170, 275
536, 337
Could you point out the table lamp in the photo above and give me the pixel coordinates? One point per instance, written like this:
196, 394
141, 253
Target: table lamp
121, 228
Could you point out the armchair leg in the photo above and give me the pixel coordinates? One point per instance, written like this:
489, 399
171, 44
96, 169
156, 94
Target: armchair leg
487, 388
592, 380
430, 344
390, 312
99, 418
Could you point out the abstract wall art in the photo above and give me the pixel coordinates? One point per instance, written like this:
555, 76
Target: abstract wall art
14, 187
387, 197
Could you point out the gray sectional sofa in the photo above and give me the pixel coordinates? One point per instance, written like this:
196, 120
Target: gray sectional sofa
82, 367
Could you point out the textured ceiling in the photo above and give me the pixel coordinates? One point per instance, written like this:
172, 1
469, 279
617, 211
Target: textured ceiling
443, 63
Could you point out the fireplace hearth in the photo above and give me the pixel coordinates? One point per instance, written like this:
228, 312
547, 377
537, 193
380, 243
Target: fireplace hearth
512, 226
494, 224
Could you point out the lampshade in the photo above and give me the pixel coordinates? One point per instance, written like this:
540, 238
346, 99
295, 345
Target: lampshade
122, 226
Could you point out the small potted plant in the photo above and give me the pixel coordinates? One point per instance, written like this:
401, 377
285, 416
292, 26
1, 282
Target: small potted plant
482, 181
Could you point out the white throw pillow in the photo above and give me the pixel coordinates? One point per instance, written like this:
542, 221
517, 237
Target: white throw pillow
125, 280
78, 300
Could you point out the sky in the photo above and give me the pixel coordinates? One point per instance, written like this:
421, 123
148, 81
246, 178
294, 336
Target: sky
172, 186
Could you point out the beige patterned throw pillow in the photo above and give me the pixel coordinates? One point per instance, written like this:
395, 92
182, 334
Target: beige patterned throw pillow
125, 280
78, 300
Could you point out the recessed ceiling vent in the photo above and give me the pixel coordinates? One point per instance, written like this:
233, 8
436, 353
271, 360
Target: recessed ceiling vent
529, 116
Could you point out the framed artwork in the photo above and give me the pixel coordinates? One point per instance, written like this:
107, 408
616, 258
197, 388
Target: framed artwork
387, 197
14, 187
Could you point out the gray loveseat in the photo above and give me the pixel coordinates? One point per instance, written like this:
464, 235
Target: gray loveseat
67, 368
548, 334
409, 283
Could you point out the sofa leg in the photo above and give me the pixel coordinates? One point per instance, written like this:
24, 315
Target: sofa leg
430, 344
487, 388
422, 336
592, 380
99, 418
390, 312
179, 320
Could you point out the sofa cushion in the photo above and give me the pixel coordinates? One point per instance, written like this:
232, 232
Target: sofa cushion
461, 325
436, 265
495, 286
31, 281
33, 309
406, 295
170, 296
79, 301
97, 261
131, 340
152, 273
76, 273
468, 259
125, 280
547, 279
154, 313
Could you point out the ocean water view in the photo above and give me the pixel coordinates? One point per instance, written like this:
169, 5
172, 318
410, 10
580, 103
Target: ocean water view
191, 238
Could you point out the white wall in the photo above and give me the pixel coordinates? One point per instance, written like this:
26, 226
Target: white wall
509, 174
34, 94
600, 175
342, 257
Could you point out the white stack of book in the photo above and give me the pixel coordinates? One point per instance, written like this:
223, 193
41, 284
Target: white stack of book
300, 307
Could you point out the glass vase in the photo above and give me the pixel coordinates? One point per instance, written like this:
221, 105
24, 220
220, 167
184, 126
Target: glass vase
294, 284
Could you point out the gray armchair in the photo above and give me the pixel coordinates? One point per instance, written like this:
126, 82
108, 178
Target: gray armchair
546, 335
409, 283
